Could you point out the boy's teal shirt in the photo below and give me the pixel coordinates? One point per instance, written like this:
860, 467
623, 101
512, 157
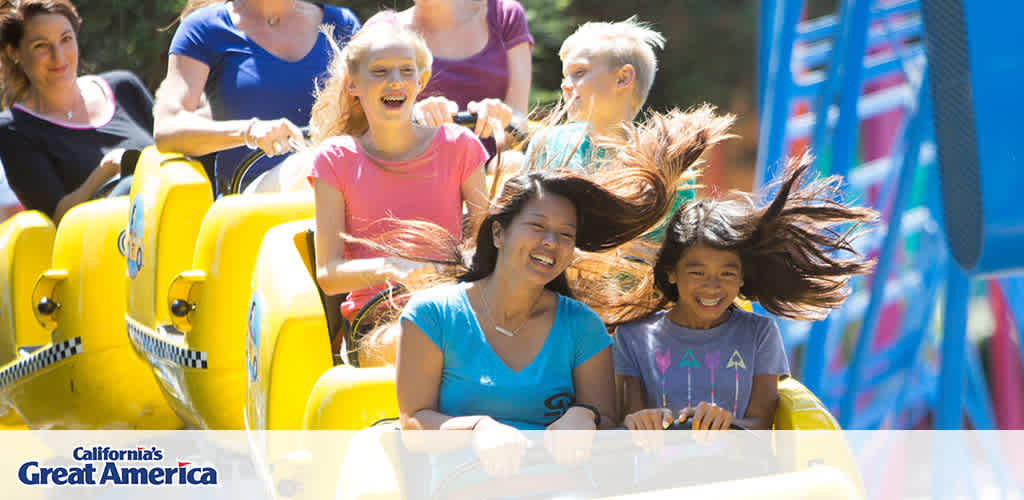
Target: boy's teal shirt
569, 146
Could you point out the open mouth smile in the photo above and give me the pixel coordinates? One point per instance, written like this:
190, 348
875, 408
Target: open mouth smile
393, 101
709, 302
542, 259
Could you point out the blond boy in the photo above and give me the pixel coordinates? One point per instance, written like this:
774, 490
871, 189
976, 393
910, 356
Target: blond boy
607, 72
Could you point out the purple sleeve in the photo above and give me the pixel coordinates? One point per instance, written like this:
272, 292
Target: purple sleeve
623, 358
191, 37
512, 23
770, 358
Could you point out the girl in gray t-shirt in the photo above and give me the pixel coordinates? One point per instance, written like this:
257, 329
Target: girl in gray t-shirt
701, 356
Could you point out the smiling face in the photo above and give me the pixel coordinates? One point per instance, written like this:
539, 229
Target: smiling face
388, 81
591, 88
538, 243
708, 280
48, 52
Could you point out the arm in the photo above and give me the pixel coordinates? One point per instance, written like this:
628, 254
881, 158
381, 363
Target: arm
418, 380
32, 175
520, 71
631, 393
764, 399
511, 110
183, 124
178, 126
595, 386
109, 167
634, 414
474, 194
334, 273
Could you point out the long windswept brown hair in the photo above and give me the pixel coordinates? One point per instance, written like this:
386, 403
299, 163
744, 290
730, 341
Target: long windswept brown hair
795, 262
625, 199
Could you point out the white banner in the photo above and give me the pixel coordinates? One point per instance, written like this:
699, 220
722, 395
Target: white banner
384, 463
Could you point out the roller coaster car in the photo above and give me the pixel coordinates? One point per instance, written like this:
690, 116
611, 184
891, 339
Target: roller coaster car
190, 262
66, 363
293, 385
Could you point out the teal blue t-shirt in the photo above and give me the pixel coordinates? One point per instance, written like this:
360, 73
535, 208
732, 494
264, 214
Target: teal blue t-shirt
475, 381
557, 148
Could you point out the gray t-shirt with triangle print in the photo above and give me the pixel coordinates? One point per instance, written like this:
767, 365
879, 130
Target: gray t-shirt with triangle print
681, 367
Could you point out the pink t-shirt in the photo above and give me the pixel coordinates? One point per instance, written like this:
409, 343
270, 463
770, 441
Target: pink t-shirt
427, 188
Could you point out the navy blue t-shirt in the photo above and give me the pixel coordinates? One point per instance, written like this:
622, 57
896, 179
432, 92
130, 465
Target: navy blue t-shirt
247, 81
44, 160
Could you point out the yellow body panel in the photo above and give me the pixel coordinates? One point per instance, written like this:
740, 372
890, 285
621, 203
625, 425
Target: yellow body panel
87, 376
26, 245
288, 347
800, 410
347, 398
170, 196
202, 371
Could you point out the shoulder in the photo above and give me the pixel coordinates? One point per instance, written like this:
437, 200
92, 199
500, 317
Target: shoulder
640, 327
451, 133
568, 131
121, 80
760, 324
337, 146
509, 11
341, 17
15, 131
444, 297
6, 121
578, 311
210, 16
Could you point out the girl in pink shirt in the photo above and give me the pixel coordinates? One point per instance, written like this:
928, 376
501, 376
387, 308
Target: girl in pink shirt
374, 165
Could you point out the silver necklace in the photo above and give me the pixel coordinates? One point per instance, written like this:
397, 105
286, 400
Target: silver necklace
497, 327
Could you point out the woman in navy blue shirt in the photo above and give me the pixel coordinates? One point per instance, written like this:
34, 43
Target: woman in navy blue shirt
257, 61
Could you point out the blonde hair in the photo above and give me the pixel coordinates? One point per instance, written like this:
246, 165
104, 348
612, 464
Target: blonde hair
336, 112
626, 42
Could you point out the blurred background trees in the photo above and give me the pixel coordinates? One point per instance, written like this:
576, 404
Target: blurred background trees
709, 57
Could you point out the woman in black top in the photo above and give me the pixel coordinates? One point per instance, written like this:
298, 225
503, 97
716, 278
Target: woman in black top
61, 135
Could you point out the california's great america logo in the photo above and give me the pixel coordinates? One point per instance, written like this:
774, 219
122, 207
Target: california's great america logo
104, 465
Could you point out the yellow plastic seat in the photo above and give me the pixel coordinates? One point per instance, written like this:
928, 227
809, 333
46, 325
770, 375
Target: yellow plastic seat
199, 358
86, 375
26, 245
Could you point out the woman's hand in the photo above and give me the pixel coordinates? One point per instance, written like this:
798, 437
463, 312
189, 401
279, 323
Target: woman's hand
493, 116
707, 416
272, 136
434, 111
110, 164
500, 447
570, 438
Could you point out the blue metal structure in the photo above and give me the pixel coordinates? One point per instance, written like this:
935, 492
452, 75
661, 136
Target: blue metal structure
881, 360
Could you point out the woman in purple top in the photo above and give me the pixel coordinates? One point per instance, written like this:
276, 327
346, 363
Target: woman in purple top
481, 61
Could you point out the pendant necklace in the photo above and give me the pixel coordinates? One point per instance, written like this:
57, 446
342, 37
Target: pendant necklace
505, 331
273, 21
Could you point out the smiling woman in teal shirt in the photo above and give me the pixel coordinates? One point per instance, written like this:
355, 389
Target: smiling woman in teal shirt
476, 381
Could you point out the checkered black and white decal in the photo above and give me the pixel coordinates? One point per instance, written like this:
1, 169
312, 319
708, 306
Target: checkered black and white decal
166, 350
39, 360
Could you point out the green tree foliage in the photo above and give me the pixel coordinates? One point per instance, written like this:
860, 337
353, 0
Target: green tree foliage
709, 56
